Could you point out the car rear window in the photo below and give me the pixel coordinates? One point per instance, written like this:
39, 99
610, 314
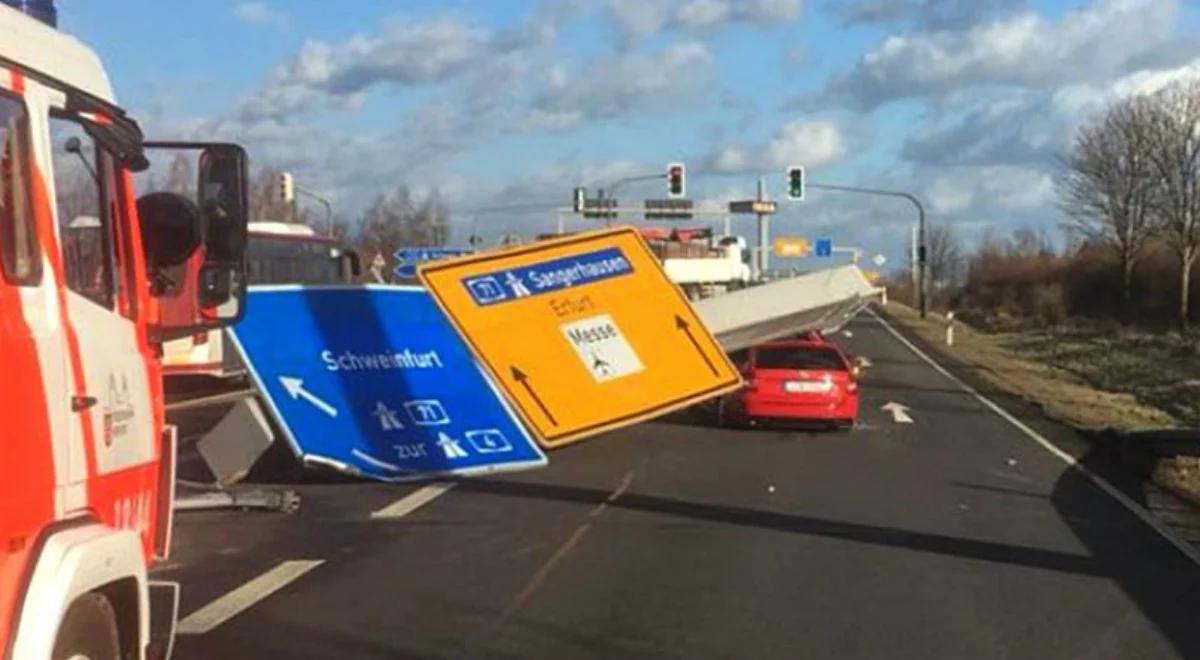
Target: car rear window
798, 357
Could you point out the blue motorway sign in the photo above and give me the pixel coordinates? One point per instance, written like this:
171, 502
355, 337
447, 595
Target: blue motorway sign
823, 247
409, 257
373, 380
547, 276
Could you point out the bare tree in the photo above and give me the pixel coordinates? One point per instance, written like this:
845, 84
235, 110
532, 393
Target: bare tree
1175, 130
945, 255
1107, 182
397, 220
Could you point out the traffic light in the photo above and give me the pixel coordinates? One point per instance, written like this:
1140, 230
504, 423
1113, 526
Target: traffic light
580, 198
795, 183
287, 187
676, 186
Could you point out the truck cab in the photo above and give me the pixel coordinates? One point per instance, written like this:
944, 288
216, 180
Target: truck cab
87, 462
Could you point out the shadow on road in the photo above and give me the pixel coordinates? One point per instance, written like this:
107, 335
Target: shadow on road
807, 525
1163, 582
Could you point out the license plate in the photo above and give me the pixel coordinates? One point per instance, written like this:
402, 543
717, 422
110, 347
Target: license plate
797, 386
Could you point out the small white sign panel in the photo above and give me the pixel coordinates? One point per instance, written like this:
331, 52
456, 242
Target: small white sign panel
604, 351
880, 260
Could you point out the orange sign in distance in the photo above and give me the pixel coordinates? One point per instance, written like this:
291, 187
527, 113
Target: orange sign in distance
791, 246
583, 333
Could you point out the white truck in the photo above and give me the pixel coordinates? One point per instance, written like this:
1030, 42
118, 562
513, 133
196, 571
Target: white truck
700, 263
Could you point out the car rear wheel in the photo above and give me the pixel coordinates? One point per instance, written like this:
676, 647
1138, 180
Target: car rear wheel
88, 631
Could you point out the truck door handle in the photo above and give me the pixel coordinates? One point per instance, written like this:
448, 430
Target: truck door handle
82, 402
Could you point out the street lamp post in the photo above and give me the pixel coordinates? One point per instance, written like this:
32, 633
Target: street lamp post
922, 276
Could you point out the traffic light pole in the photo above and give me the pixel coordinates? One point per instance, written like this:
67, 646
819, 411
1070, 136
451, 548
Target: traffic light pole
324, 202
611, 190
922, 274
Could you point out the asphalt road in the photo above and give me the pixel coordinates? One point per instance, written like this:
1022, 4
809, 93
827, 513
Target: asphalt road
956, 536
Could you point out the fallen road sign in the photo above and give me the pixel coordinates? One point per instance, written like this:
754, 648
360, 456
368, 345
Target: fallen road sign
583, 333
372, 380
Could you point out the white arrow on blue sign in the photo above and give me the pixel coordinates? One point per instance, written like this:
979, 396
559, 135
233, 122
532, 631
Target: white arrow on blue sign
373, 380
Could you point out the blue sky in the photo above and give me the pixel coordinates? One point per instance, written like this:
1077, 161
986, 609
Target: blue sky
963, 102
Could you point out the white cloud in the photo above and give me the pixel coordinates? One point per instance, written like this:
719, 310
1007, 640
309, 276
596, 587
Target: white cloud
638, 18
615, 86
1025, 49
767, 11
642, 18
404, 53
703, 13
924, 13
812, 143
1028, 127
260, 13
1005, 188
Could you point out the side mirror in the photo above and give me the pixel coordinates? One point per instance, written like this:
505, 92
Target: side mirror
858, 365
195, 235
222, 190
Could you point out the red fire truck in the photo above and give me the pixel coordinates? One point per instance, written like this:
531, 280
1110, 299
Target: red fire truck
86, 461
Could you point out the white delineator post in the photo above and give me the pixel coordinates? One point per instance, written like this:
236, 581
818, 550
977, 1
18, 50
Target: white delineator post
949, 328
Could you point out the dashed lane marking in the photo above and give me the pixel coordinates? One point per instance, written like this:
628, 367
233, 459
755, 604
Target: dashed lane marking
415, 500
246, 596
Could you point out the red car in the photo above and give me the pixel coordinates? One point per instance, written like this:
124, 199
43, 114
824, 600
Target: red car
794, 380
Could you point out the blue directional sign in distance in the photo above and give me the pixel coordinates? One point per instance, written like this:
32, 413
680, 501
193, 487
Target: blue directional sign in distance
823, 247
409, 257
373, 380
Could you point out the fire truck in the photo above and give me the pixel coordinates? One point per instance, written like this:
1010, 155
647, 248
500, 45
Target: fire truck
86, 460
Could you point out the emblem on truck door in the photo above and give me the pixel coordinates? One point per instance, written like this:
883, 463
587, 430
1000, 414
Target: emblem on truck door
118, 409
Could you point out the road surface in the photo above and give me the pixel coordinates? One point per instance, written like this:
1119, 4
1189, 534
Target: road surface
956, 535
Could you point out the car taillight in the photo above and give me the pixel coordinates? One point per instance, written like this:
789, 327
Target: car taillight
852, 386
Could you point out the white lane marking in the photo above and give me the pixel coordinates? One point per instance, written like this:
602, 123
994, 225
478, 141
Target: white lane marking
244, 597
899, 412
413, 501
1133, 507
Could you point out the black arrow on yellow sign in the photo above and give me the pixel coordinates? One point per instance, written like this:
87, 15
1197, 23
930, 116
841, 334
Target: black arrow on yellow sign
522, 378
681, 324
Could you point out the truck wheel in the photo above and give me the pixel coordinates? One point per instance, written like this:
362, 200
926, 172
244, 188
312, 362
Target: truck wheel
88, 631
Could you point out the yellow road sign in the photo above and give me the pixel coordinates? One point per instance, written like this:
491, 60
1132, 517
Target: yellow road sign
791, 246
583, 333
871, 276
